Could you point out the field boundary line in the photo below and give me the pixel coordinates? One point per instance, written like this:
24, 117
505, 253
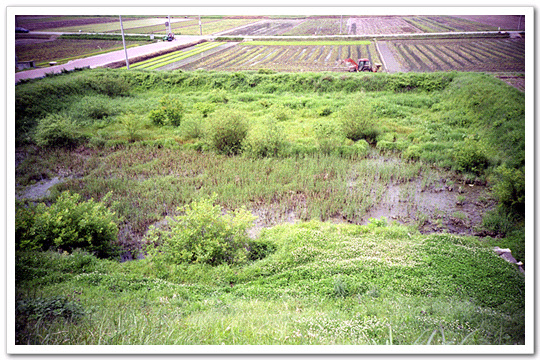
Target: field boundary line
381, 55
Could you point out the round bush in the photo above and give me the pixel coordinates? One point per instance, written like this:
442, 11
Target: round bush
57, 130
68, 224
470, 157
358, 122
226, 131
204, 235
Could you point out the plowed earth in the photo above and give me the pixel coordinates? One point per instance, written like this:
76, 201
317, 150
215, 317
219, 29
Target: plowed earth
285, 58
490, 55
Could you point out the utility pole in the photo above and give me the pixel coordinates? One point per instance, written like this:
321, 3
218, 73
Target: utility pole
124, 41
200, 25
519, 25
169, 17
341, 25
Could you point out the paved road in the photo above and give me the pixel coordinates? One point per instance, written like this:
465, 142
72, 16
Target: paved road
108, 58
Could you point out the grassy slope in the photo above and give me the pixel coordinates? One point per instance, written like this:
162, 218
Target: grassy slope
326, 283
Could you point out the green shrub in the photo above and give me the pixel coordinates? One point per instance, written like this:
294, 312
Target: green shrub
329, 137
36, 309
499, 221
412, 152
218, 96
510, 188
204, 108
192, 129
471, 157
91, 108
57, 130
226, 131
358, 122
204, 235
280, 113
157, 116
130, 124
324, 111
392, 146
170, 112
263, 141
67, 224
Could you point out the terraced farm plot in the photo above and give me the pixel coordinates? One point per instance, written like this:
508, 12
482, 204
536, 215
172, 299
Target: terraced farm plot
291, 56
166, 60
318, 27
491, 55
214, 27
276, 27
431, 24
379, 25
113, 26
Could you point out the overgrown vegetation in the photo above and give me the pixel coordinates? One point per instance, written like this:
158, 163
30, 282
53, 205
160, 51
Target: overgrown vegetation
305, 148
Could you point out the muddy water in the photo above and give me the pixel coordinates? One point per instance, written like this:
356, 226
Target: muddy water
443, 206
456, 208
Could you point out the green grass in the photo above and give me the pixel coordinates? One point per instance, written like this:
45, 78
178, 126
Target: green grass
325, 283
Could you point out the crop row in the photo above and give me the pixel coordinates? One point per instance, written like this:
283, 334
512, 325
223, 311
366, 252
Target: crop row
113, 26
276, 27
176, 27
480, 55
318, 27
446, 24
286, 58
379, 25
166, 59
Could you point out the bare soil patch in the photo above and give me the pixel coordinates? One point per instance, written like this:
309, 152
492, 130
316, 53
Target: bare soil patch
37, 23
505, 22
379, 25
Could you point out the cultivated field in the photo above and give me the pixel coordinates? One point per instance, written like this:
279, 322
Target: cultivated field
491, 55
266, 27
43, 49
291, 56
379, 25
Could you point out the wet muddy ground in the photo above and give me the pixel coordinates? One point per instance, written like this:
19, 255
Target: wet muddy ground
447, 206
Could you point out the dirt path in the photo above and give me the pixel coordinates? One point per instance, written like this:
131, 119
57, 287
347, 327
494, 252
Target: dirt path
389, 62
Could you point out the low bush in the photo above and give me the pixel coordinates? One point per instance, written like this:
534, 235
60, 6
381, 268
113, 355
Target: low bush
204, 108
265, 140
226, 131
92, 108
471, 157
510, 188
329, 136
68, 224
170, 112
358, 122
204, 235
218, 96
192, 128
324, 111
57, 130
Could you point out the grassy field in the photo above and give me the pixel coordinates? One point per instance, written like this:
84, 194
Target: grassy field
253, 200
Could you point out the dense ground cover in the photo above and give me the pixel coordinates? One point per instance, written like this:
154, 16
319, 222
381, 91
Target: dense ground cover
319, 151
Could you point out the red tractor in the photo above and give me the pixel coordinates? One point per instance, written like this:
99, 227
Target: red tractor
363, 65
